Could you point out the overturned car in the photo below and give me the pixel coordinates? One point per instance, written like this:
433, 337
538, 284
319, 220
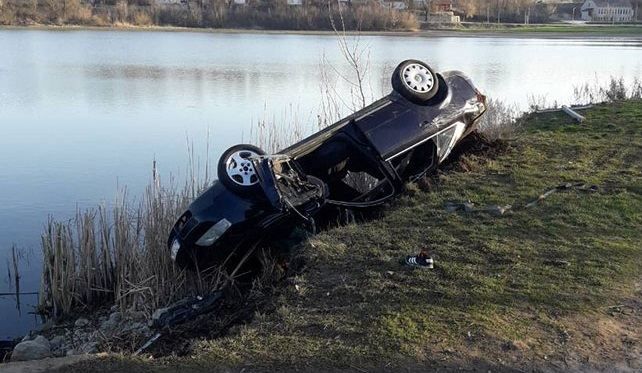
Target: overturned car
359, 162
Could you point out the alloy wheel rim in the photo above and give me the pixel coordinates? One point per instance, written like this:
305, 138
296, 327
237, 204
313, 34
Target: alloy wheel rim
240, 168
417, 78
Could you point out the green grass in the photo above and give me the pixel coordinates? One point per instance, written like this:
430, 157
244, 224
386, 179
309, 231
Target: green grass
558, 28
491, 301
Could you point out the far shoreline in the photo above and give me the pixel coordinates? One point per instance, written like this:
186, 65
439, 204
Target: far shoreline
435, 33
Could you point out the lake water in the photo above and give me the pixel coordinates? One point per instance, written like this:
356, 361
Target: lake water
83, 112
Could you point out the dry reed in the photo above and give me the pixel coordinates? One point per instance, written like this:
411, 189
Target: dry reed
213, 14
615, 89
119, 255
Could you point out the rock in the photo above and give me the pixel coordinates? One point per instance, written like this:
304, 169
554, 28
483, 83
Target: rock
57, 342
116, 317
137, 316
137, 326
26, 338
31, 350
43, 341
81, 323
111, 324
157, 315
71, 352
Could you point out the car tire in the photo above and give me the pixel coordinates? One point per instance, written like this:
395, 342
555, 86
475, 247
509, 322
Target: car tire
416, 81
236, 171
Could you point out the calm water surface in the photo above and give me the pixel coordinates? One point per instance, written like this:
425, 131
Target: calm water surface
83, 112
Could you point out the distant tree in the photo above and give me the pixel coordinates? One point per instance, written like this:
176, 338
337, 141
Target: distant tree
470, 8
427, 7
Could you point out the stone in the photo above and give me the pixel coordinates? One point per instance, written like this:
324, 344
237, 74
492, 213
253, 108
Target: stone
137, 315
111, 324
157, 315
43, 341
137, 326
81, 323
30, 350
108, 326
56, 342
116, 317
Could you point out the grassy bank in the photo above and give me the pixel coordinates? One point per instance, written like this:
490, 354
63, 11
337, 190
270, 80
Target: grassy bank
553, 29
213, 14
551, 286
493, 30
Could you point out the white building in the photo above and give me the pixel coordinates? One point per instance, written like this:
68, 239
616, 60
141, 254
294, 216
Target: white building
397, 5
607, 11
295, 2
167, 2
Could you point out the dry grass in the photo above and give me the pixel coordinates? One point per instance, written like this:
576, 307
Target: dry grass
118, 254
273, 16
502, 120
615, 90
496, 299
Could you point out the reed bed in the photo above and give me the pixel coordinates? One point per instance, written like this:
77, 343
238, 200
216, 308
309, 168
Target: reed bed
118, 254
616, 89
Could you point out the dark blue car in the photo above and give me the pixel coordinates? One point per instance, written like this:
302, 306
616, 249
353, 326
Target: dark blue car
359, 162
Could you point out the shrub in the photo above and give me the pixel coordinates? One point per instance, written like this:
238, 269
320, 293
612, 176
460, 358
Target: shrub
119, 255
140, 18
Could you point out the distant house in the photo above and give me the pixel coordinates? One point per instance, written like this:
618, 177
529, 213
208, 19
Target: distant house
443, 6
607, 11
435, 5
295, 2
240, 2
168, 2
397, 5
567, 11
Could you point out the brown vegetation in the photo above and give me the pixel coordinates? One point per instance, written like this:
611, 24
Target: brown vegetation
118, 254
272, 15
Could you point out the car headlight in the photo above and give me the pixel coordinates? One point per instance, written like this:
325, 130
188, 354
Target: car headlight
214, 233
176, 245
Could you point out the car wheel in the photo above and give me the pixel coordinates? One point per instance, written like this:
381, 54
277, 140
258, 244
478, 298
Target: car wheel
235, 168
415, 80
